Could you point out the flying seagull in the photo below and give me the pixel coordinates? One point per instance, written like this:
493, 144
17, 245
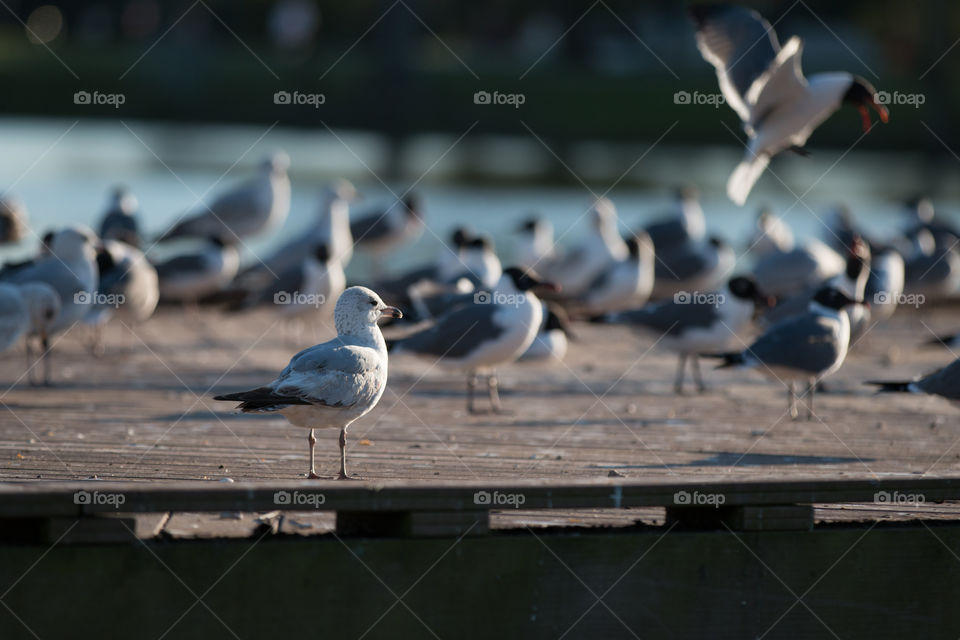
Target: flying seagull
765, 85
330, 385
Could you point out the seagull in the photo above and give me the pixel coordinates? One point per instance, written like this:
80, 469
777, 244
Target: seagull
13, 220
478, 263
331, 227
691, 324
803, 348
553, 338
933, 269
330, 385
693, 266
120, 220
765, 85
303, 288
382, 230
191, 276
943, 382
685, 224
625, 284
601, 245
43, 306
885, 283
784, 273
535, 243
248, 209
494, 329
771, 234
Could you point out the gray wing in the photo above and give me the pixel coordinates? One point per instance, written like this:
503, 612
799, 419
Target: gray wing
684, 263
116, 224
181, 265
671, 318
456, 333
740, 43
334, 374
667, 233
806, 343
945, 382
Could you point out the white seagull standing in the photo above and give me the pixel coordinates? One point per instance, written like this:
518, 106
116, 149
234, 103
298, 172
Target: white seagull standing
765, 85
330, 385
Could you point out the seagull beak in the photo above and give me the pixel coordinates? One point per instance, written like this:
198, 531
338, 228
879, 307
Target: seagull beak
391, 312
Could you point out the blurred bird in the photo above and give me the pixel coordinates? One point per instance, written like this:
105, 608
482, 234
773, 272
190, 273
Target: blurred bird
330, 385
885, 282
943, 382
13, 220
804, 348
119, 222
478, 263
552, 339
249, 208
685, 224
534, 243
383, 229
600, 246
14, 316
495, 329
771, 234
693, 266
784, 273
625, 284
691, 324
765, 85
190, 276
43, 307
128, 287
932, 270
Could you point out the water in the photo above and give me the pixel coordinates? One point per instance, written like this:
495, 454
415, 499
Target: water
66, 180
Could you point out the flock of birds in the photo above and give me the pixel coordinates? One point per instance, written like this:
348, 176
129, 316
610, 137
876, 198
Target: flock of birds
806, 301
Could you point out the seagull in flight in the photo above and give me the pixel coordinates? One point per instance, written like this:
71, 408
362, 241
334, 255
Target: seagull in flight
764, 83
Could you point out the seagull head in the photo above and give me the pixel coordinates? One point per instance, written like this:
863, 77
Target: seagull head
862, 94
359, 309
277, 162
123, 201
833, 299
745, 288
526, 279
413, 206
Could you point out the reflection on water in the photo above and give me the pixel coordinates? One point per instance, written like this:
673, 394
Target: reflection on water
64, 177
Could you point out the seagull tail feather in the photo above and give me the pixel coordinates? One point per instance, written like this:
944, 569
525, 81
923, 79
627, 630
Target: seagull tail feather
745, 176
731, 359
888, 386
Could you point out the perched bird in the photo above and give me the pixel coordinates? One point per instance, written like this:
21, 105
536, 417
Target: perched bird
691, 324
765, 85
685, 224
331, 227
478, 263
314, 284
600, 246
943, 382
625, 284
191, 276
885, 282
119, 222
693, 266
495, 329
128, 287
13, 220
784, 273
43, 307
552, 339
804, 348
246, 210
330, 385
932, 270
771, 235
534, 243
383, 229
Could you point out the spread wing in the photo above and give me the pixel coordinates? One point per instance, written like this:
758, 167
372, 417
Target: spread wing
740, 44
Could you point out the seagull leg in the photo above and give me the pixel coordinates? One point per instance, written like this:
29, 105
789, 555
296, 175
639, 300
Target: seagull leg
343, 456
792, 401
312, 439
45, 357
471, 388
697, 374
492, 386
31, 379
681, 369
811, 387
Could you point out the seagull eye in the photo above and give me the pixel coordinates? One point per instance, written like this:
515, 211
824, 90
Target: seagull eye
373, 303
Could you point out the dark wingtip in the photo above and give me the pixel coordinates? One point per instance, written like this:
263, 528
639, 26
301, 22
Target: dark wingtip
887, 386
